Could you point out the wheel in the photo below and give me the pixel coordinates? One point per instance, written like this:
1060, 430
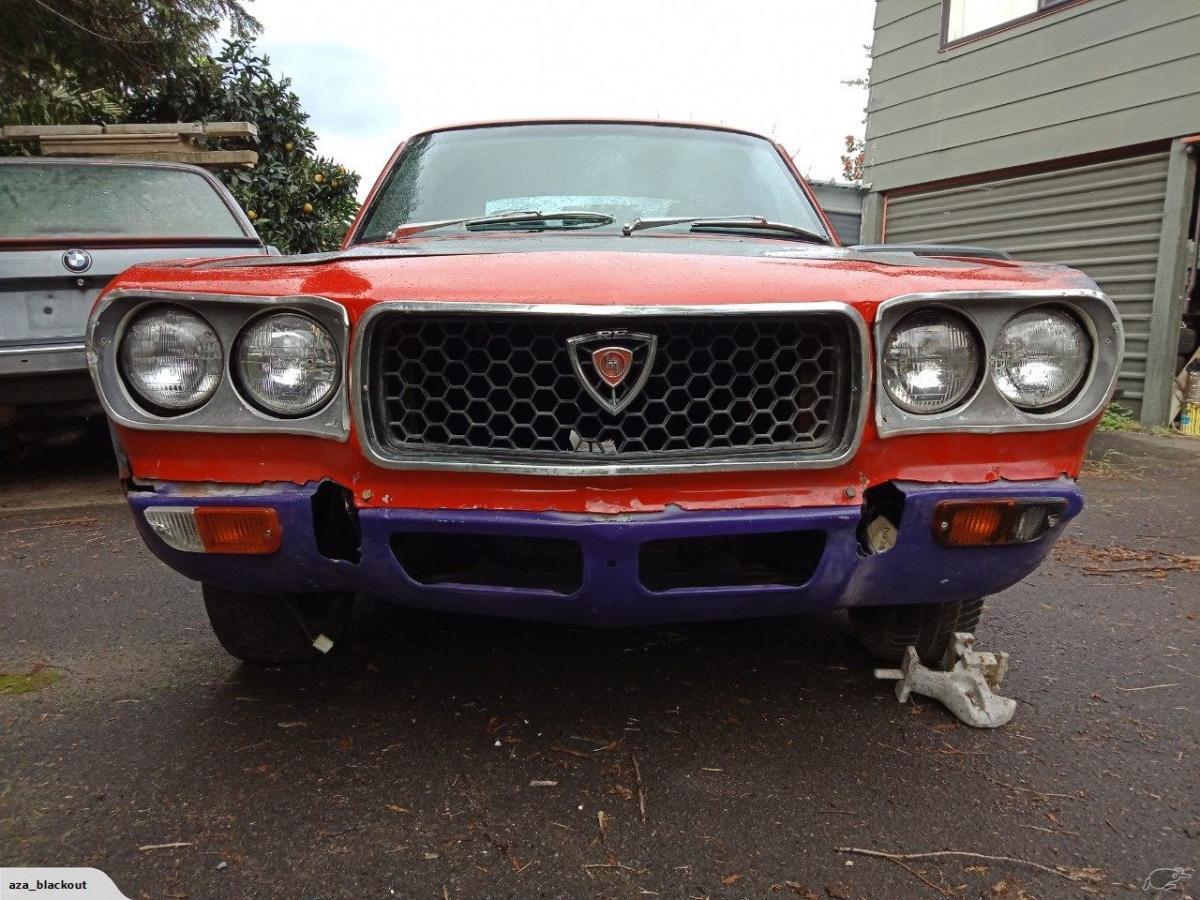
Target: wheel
885, 631
274, 629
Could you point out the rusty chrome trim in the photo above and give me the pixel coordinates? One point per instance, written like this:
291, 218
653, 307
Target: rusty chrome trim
734, 461
986, 410
226, 411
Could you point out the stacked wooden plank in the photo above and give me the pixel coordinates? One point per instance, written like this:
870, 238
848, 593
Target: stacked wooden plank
184, 142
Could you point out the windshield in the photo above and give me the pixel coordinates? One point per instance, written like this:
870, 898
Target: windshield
40, 200
626, 171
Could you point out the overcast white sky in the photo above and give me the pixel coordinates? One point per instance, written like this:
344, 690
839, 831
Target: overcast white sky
372, 72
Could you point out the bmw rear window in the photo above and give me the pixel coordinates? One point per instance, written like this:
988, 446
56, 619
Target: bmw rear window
49, 200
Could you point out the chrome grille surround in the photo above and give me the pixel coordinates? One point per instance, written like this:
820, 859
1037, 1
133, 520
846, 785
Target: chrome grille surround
806, 433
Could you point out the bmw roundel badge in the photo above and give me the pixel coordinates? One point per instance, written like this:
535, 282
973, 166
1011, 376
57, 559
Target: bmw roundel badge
77, 261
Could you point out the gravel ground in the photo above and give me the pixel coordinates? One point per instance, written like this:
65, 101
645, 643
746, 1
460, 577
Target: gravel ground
442, 757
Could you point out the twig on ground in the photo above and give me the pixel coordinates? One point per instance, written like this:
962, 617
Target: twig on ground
570, 752
1184, 671
894, 857
589, 740
1149, 687
1091, 570
641, 788
941, 890
171, 846
1034, 791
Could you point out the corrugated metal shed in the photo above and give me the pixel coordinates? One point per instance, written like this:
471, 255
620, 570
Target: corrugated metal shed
1105, 218
843, 203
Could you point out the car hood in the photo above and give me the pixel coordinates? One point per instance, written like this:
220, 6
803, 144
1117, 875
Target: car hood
601, 270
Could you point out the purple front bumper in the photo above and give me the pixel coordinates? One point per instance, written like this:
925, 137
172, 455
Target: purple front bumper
917, 569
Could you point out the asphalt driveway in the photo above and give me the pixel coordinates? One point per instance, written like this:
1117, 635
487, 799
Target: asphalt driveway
441, 757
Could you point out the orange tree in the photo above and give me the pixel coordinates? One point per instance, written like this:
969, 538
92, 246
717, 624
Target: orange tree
299, 201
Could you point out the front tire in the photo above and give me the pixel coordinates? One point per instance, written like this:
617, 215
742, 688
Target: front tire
275, 629
885, 631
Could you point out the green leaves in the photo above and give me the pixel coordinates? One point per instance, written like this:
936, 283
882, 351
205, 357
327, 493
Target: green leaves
301, 206
79, 47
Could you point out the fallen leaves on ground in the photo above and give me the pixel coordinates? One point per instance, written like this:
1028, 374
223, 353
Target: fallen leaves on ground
1117, 560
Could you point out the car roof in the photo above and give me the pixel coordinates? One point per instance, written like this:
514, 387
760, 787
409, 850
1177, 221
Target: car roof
666, 123
108, 161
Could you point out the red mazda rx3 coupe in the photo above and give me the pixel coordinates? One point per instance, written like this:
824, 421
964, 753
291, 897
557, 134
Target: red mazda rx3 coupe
601, 372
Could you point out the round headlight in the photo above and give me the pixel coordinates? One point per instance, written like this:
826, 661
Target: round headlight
931, 361
287, 364
171, 358
1041, 357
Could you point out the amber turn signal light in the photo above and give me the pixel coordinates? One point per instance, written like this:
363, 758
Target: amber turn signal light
238, 529
990, 523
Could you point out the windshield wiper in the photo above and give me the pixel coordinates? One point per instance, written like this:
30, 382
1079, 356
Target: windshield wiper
728, 223
568, 218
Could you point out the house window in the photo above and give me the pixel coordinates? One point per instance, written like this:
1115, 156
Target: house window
967, 18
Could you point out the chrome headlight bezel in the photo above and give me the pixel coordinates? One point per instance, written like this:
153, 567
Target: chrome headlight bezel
987, 410
227, 411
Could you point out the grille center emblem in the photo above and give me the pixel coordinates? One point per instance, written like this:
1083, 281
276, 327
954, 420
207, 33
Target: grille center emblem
612, 363
612, 366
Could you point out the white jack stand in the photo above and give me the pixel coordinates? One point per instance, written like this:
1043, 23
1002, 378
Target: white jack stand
964, 685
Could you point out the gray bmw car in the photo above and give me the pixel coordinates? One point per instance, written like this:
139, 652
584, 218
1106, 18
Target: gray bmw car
67, 226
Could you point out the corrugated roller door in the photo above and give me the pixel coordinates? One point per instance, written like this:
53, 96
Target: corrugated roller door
847, 225
1104, 218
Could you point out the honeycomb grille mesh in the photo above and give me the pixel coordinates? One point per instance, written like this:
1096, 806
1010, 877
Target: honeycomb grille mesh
505, 385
